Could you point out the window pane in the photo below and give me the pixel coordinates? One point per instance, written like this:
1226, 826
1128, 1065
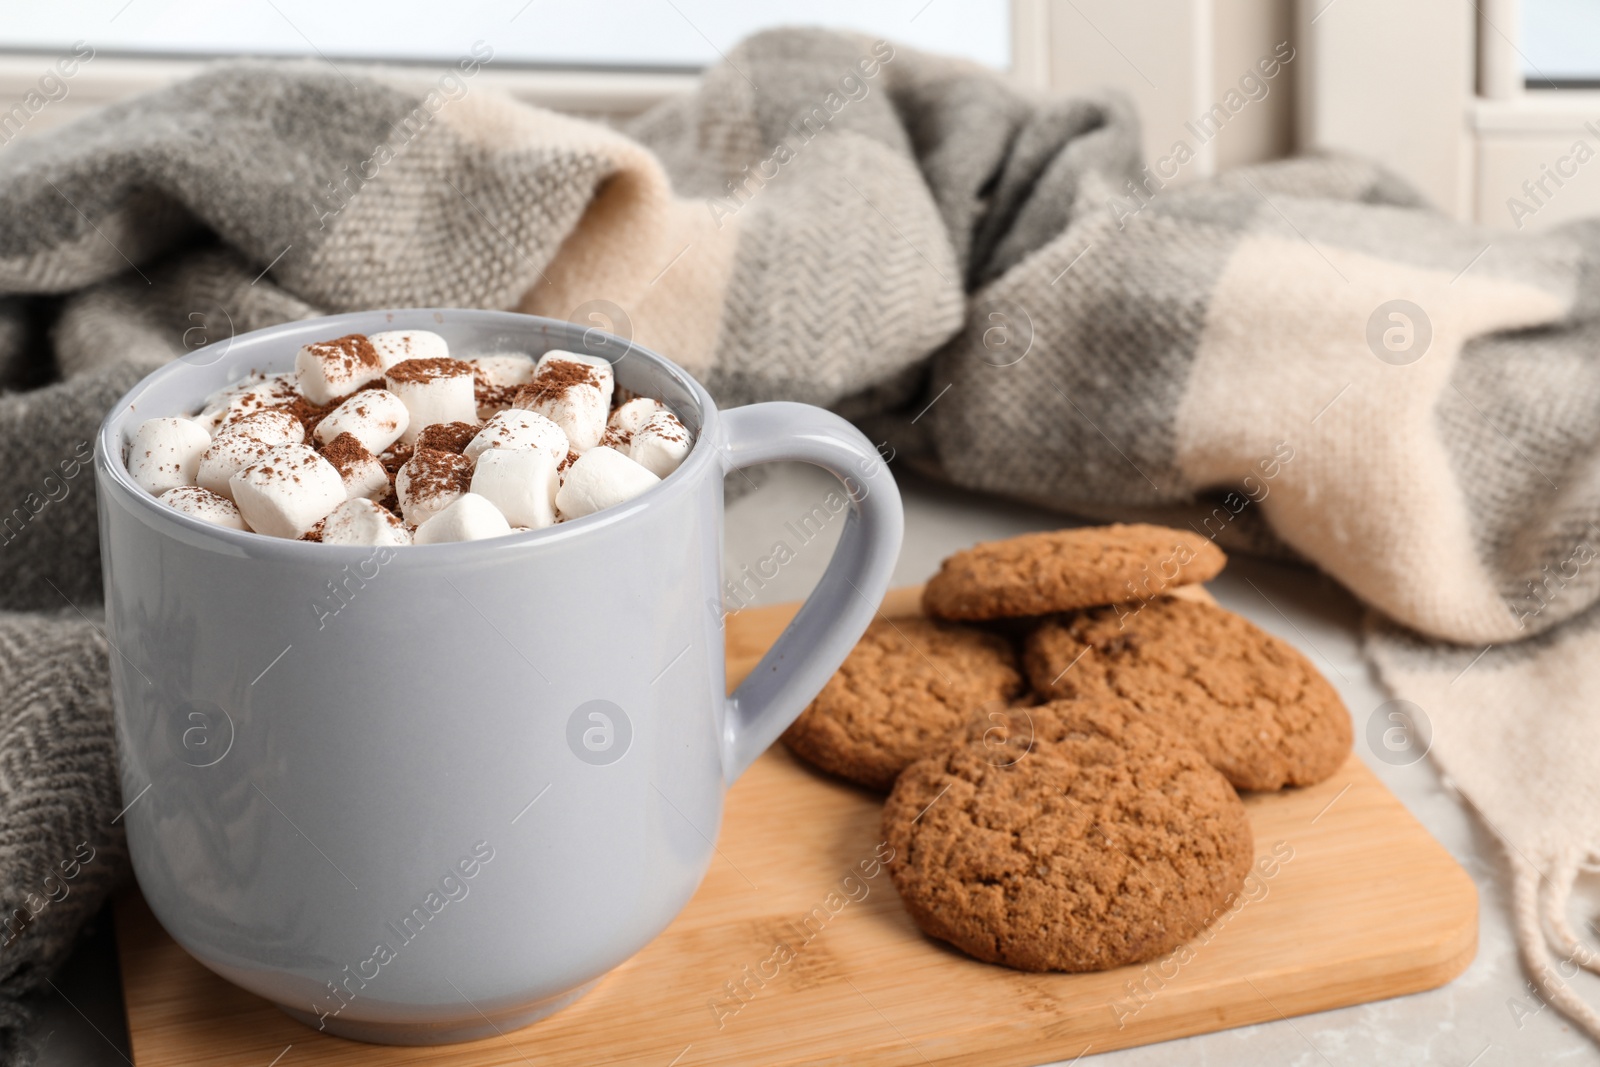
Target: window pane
1560, 43
569, 33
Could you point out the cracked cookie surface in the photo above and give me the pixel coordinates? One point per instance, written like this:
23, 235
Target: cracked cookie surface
907, 687
1074, 836
1256, 707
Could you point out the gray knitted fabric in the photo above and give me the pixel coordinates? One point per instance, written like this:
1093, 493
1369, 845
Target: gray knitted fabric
1300, 356
61, 848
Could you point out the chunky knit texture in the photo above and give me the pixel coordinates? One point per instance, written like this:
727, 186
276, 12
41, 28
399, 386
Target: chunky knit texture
986, 281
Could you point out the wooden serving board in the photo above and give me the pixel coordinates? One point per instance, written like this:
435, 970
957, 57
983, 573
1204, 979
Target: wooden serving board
1361, 904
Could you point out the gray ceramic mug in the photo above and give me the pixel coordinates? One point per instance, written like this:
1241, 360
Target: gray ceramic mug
417, 795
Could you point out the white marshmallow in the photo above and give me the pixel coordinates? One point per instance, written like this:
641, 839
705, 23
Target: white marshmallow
433, 391
580, 413
287, 492
521, 482
247, 397
469, 518
581, 407
397, 346
272, 428
363, 475
212, 412
204, 504
599, 365
503, 371
429, 482
498, 378
660, 444
366, 480
375, 417
227, 456
601, 478
243, 441
515, 428
325, 370
629, 417
165, 453
361, 522
251, 383
209, 421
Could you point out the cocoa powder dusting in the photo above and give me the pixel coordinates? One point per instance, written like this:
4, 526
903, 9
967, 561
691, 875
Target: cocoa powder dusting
670, 429
447, 436
395, 458
352, 350
344, 452
308, 413
432, 472
427, 370
558, 376
493, 398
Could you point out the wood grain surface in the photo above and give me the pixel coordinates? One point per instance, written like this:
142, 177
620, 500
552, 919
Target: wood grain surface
1352, 901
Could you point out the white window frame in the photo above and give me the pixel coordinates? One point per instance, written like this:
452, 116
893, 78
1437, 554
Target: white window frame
107, 79
1178, 60
1434, 89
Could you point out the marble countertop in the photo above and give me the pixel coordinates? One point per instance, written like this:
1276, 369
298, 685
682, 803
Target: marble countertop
1485, 1018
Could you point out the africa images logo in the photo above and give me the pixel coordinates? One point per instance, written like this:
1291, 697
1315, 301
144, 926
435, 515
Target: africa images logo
599, 732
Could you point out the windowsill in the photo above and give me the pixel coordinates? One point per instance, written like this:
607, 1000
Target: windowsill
1536, 112
106, 79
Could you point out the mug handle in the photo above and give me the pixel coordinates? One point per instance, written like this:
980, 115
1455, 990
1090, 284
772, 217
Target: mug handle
838, 610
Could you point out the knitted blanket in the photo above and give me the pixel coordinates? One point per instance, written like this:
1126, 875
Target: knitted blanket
1300, 357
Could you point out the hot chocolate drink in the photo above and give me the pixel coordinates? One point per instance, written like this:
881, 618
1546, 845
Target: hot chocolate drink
388, 439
